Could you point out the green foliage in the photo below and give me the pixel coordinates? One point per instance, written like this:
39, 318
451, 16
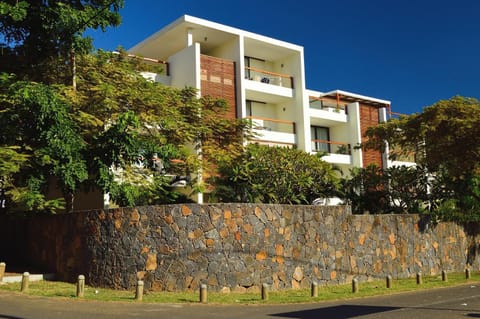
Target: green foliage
398, 189
11, 162
446, 140
43, 34
16, 12
154, 191
36, 123
445, 135
275, 175
112, 118
128, 119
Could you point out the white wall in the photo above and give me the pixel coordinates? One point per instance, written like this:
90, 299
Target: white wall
185, 72
296, 67
185, 67
240, 76
355, 135
340, 133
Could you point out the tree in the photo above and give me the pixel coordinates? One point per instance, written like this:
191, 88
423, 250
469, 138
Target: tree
397, 190
446, 140
275, 175
36, 124
164, 123
10, 163
124, 117
47, 35
117, 129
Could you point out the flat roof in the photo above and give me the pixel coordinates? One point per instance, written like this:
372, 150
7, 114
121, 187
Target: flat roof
172, 38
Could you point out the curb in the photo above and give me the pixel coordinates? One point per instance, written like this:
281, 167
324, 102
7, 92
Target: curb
33, 277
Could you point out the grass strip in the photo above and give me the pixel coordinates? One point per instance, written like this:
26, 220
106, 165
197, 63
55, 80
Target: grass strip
325, 293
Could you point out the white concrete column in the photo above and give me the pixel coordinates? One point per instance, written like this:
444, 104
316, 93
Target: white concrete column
304, 134
189, 37
382, 116
355, 133
106, 201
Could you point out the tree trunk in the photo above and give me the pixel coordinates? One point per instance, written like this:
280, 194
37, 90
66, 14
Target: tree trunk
73, 63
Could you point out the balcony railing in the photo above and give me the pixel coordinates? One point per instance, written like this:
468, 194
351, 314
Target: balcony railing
327, 105
395, 115
268, 77
268, 124
399, 155
331, 147
150, 65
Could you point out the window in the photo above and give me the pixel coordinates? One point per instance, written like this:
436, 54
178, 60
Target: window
255, 63
249, 107
320, 138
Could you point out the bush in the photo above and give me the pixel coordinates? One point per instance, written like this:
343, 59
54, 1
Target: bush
275, 175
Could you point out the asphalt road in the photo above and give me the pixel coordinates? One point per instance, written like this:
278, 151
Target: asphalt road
457, 302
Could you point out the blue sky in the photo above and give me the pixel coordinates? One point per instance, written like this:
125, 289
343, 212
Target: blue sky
411, 52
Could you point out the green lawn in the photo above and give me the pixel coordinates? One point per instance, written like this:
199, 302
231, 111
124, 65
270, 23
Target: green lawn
336, 292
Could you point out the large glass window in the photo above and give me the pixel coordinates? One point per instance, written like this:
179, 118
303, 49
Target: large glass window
320, 139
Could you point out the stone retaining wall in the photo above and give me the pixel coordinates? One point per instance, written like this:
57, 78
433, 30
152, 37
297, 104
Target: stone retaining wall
234, 246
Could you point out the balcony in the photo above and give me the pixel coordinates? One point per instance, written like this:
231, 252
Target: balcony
327, 105
154, 70
399, 157
327, 112
336, 152
268, 86
272, 131
268, 77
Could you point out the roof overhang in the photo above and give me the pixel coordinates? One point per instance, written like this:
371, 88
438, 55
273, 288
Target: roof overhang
173, 38
352, 97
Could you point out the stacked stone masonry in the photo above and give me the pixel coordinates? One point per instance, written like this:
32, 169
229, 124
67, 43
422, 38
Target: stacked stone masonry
236, 247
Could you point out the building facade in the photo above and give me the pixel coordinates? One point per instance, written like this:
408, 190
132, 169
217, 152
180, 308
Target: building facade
263, 79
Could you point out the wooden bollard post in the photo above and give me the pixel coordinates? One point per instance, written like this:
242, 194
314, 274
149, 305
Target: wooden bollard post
2, 270
314, 291
264, 291
419, 278
139, 291
203, 293
467, 273
389, 281
81, 286
444, 276
354, 285
25, 280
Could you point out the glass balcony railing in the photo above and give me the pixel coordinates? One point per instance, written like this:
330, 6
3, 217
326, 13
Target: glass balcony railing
399, 155
331, 147
149, 65
268, 77
327, 105
273, 125
395, 115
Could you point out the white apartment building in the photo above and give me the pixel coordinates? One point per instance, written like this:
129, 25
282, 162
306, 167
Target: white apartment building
264, 79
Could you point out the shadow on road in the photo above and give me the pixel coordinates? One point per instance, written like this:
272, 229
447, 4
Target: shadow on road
336, 312
9, 317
